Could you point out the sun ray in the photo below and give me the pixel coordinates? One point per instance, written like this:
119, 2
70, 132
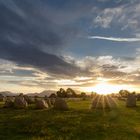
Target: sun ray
99, 102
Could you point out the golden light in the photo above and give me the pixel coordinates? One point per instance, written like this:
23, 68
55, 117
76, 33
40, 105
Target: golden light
106, 88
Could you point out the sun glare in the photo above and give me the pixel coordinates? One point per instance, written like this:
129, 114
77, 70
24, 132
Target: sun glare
105, 88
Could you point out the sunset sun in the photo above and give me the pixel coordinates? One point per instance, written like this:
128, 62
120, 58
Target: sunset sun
105, 88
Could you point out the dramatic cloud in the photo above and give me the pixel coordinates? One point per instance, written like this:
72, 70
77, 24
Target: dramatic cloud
29, 38
48, 44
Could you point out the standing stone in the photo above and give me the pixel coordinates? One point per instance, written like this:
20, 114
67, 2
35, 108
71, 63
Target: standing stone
20, 102
52, 98
60, 104
48, 101
131, 100
52, 101
41, 104
29, 100
9, 102
1, 98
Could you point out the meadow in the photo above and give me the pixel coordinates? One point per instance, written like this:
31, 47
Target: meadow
78, 123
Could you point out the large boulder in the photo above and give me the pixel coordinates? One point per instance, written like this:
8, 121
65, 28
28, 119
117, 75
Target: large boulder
138, 97
9, 102
20, 102
60, 104
48, 101
131, 100
52, 101
52, 98
41, 104
29, 100
2, 98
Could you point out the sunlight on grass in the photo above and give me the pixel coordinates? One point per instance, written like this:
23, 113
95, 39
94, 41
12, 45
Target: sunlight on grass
79, 123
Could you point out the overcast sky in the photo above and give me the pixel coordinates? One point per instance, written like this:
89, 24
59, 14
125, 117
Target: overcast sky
48, 44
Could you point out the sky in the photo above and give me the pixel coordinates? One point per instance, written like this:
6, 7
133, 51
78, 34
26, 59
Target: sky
91, 45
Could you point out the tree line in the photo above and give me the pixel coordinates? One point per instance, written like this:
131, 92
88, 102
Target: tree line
69, 93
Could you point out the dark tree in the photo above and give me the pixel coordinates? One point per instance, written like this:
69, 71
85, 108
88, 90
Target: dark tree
53, 95
83, 95
62, 93
70, 92
124, 93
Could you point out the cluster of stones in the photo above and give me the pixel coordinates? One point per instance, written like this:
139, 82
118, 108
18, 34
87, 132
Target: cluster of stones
22, 102
2, 98
98, 102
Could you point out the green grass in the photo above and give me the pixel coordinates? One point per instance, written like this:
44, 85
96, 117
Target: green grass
79, 123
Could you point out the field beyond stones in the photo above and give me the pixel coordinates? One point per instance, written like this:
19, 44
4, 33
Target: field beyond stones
79, 123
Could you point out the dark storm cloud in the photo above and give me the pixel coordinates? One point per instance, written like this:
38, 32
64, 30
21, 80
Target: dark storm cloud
29, 56
28, 37
28, 28
33, 32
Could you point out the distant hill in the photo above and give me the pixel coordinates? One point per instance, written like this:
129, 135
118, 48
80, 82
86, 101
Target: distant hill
7, 93
47, 92
42, 94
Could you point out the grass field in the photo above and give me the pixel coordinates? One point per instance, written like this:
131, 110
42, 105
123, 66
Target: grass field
79, 123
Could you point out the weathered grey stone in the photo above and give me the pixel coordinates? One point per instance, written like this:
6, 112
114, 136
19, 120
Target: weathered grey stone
131, 100
60, 104
29, 100
2, 98
41, 104
48, 101
9, 102
20, 102
52, 100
